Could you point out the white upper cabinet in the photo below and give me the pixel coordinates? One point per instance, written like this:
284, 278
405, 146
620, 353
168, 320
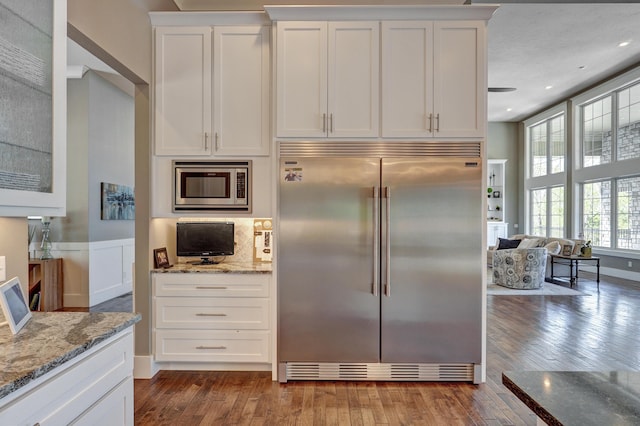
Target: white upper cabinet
327, 79
241, 90
433, 79
212, 91
182, 90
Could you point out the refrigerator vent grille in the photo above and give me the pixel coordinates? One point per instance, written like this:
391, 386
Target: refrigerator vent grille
381, 149
375, 371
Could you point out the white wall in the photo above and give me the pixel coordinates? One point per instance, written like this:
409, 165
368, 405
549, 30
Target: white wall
503, 143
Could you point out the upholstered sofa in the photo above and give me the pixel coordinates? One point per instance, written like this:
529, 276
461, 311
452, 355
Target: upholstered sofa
553, 245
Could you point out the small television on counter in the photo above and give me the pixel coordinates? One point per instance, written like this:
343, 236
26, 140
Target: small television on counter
205, 240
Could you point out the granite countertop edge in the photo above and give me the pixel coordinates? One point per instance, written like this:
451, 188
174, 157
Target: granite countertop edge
523, 396
219, 268
39, 371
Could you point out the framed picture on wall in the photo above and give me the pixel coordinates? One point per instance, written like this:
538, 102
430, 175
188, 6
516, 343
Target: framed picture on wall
496, 194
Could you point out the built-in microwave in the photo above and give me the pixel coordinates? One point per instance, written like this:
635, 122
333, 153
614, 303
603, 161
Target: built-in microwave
212, 185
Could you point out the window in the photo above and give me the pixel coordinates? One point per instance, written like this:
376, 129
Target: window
596, 132
556, 212
538, 225
539, 149
608, 181
547, 212
628, 136
628, 213
596, 213
546, 176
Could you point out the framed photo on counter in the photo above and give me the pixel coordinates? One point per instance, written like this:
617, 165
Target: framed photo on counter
161, 258
567, 250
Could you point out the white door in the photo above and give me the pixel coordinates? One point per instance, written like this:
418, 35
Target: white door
407, 79
301, 79
241, 90
353, 97
182, 90
459, 79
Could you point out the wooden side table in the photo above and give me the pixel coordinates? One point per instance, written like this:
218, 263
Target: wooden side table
574, 262
45, 284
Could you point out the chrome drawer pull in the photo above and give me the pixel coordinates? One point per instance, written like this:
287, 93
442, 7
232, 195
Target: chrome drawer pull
202, 287
210, 315
211, 347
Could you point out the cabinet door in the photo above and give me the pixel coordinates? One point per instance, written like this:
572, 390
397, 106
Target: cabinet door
241, 90
407, 79
353, 79
301, 79
459, 79
182, 90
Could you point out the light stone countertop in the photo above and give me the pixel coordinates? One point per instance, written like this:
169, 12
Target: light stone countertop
50, 339
224, 267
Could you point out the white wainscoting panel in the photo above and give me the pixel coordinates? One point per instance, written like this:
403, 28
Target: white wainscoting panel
95, 271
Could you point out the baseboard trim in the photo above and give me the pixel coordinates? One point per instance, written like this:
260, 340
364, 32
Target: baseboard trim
612, 272
144, 367
213, 366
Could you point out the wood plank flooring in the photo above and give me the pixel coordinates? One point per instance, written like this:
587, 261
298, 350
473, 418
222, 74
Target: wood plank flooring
599, 331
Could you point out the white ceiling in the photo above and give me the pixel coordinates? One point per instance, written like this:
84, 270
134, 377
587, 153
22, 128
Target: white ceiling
531, 46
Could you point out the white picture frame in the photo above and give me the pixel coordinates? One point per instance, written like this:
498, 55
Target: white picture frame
15, 308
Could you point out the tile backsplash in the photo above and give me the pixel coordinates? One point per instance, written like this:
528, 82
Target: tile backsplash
244, 237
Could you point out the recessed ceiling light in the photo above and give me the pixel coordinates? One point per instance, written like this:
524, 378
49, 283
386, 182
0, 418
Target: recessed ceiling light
509, 109
548, 87
501, 89
581, 67
624, 43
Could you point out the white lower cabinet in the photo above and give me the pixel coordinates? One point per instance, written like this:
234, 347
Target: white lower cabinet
211, 318
495, 231
95, 388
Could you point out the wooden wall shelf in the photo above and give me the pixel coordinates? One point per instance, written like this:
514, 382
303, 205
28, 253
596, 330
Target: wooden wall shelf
45, 284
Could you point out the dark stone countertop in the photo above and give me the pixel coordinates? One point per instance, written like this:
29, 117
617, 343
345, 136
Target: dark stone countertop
579, 397
50, 339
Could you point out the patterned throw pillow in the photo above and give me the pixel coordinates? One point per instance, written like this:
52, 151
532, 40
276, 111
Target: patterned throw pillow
528, 243
553, 247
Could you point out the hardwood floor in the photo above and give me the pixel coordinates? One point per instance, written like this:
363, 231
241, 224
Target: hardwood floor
598, 331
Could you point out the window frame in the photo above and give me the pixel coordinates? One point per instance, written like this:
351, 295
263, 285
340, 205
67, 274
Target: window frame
549, 180
613, 171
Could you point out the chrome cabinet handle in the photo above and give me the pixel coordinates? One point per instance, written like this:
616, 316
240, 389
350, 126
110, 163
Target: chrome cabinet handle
331, 123
438, 122
430, 123
211, 347
388, 242
376, 238
206, 140
202, 287
201, 314
216, 141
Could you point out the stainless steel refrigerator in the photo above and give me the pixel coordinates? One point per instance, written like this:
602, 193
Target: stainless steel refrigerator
380, 261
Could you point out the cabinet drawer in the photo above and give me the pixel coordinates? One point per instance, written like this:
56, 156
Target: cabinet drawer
217, 285
212, 313
212, 346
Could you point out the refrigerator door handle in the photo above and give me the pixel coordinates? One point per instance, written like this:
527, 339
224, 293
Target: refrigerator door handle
376, 239
387, 287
